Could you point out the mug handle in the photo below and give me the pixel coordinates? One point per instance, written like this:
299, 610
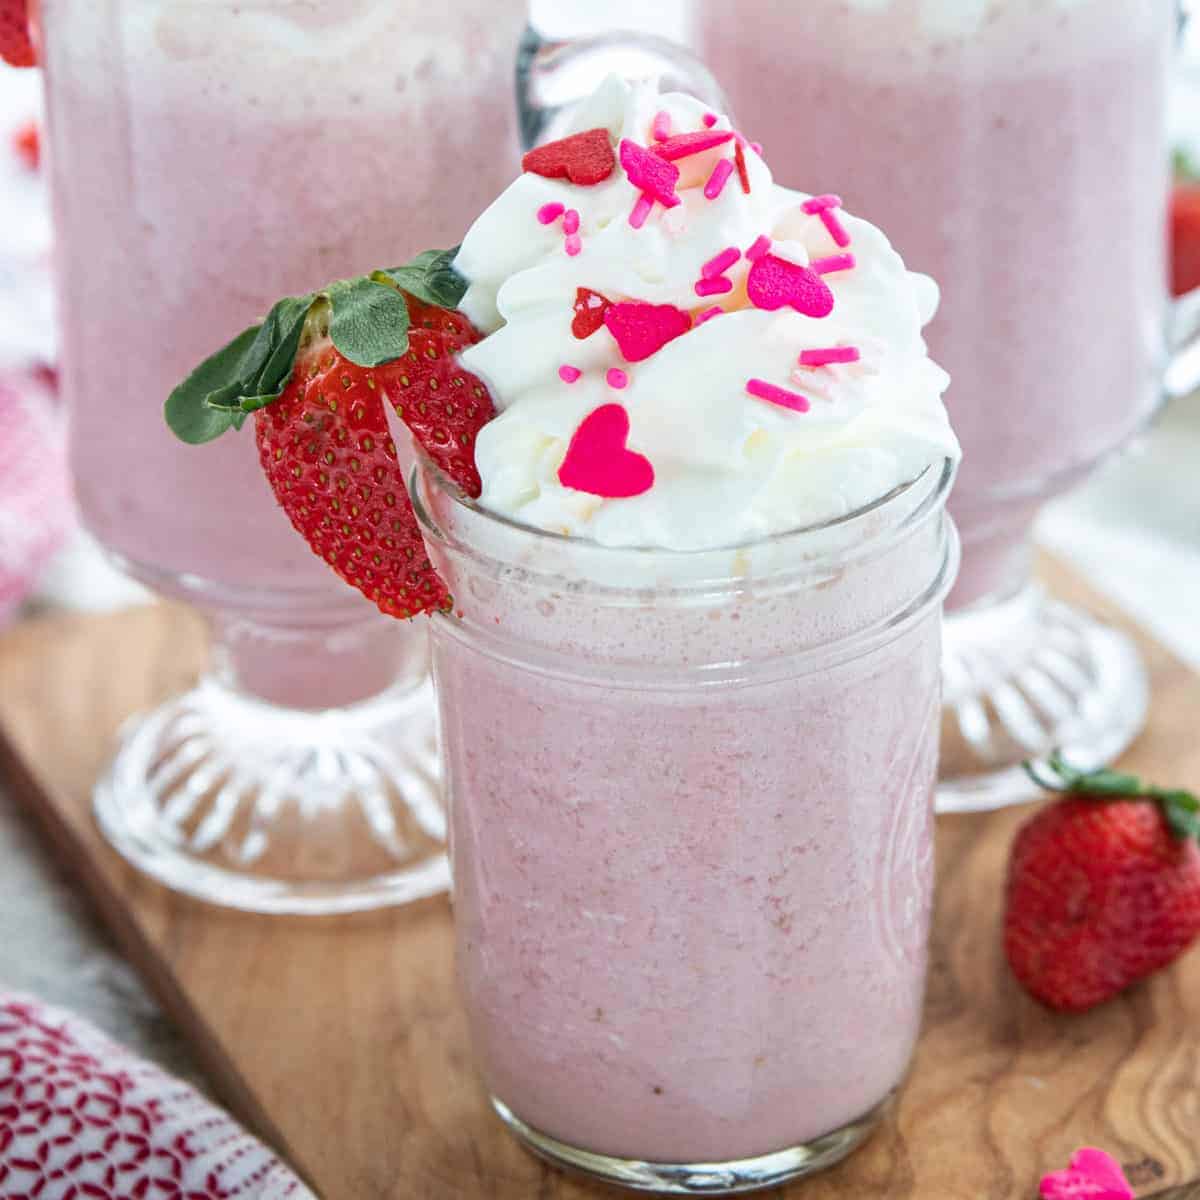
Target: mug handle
554, 74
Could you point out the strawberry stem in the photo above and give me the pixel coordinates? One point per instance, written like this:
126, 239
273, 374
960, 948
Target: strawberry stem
366, 319
1180, 808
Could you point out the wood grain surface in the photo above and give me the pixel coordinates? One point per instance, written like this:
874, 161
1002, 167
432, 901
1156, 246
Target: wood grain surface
342, 1042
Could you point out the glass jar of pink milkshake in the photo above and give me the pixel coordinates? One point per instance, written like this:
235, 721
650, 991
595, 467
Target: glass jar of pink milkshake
690, 682
208, 156
1016, 150
692, 832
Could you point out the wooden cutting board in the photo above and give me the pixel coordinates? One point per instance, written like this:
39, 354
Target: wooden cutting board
341, 1040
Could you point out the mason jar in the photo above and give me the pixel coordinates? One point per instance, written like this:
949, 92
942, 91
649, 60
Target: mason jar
691, 831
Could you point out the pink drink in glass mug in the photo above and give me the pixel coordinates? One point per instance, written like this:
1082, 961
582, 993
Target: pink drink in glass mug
1016, 150
209, 156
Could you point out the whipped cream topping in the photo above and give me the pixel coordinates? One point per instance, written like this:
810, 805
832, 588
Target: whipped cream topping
744, 441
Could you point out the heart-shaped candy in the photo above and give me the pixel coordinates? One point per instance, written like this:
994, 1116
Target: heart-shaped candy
642, 329
1091, 1175
590, 308
652, 176
584, 158
774, 283
598, 461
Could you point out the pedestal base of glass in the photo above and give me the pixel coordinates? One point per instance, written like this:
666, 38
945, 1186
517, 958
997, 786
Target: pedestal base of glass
1024, 677
243, 804
699, 1179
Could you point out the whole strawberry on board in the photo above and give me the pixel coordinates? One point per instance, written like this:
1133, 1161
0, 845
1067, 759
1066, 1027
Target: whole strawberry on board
1103, 886
316, 375
16, 46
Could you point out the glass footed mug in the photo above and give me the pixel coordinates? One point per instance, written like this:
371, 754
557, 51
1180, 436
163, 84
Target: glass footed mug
682, 786
1015, 150
208, 157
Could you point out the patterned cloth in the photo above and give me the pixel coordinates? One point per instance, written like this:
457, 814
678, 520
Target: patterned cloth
82, 1118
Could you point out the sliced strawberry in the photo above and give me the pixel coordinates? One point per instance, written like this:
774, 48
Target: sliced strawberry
583, 158
590, 308
317, 374
16, 47
443, 406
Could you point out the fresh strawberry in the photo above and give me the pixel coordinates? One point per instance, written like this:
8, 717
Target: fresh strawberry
16, 47
27, 143
316, 374
1185, 237
583, 158
1103, 886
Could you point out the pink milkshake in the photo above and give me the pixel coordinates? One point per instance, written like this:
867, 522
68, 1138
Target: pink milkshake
1015, 150
690, 690
208, 156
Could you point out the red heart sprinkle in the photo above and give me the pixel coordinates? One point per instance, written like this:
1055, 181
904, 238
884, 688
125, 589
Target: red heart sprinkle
590, 308
583, 158
598, 461
642, 329
774, 282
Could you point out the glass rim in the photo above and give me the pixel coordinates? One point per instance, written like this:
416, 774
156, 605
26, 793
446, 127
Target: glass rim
939, 475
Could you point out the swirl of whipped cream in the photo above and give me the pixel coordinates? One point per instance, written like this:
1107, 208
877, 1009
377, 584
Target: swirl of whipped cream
729, 466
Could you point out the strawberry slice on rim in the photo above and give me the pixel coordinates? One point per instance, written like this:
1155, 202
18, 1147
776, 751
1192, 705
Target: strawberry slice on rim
316, 375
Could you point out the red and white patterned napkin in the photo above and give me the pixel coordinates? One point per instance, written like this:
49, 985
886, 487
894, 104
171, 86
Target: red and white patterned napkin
82, 1118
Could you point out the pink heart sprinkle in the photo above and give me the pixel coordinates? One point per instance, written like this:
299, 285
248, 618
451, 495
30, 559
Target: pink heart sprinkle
710, 119
1091, 1175
549, 213
774, 282
568, 373
598, 461
641, 330
651, 175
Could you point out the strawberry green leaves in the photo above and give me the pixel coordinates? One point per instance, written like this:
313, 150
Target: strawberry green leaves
366, 318
1180, 808
430, 277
